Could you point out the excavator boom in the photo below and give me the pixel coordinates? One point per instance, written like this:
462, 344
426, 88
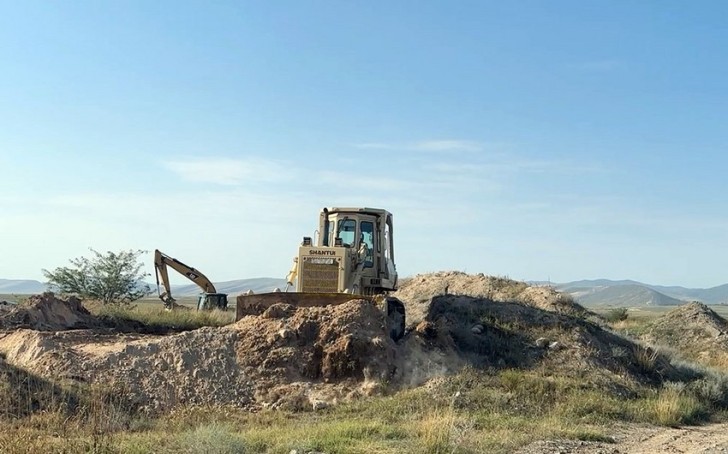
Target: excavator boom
210, 297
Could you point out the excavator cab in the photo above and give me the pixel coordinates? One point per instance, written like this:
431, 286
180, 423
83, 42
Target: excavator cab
210, 301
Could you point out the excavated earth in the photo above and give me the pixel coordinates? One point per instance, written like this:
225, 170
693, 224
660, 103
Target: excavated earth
298, 358
694, 330
47, 313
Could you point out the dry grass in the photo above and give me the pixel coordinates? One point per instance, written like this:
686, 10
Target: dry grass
154, 316
475, 411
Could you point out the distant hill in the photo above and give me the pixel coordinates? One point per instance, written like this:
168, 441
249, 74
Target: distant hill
595, 292
589, 292
21, 286
257, 285
627, 295
713, 295
594, 283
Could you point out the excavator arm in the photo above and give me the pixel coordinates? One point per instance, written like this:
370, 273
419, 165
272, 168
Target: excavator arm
162, 261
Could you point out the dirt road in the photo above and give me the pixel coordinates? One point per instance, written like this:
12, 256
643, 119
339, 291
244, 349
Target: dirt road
707, 439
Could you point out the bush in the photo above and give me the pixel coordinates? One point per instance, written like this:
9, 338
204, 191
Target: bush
713, 388
673, 406
618, 314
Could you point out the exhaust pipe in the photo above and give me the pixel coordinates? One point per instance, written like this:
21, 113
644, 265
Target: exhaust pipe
326, 227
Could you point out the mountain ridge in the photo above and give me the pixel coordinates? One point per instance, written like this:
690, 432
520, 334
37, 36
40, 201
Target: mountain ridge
257, 285
585, 291
595, 292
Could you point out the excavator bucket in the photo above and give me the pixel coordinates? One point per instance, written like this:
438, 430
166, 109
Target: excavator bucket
256, 304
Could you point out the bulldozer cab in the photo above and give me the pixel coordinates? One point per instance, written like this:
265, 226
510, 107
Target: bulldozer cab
210, 301
351, 258
368, 233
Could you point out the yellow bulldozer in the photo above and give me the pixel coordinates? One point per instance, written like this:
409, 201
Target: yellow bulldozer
351, 256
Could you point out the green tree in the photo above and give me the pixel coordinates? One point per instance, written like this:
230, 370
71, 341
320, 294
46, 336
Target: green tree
110, 278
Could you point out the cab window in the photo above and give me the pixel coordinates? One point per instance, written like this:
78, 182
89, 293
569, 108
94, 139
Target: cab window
346, 229
367, 237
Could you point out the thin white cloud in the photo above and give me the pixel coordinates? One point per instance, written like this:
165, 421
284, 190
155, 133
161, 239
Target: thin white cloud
442, 145
226, 171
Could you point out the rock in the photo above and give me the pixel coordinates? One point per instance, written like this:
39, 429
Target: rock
279, 311
286, 334
556, 345
319, 405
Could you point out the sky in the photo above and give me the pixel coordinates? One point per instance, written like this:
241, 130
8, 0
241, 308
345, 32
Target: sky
550, 141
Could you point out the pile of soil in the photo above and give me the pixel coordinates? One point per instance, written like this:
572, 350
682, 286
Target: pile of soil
695, 331
311, 357
47, 312
418, 291
286, 357
463, 330
316, 355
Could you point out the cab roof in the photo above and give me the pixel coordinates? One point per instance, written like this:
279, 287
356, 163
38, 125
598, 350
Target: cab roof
365, 210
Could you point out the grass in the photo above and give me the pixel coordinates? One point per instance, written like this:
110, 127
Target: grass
13, 298
474, 411
154, 317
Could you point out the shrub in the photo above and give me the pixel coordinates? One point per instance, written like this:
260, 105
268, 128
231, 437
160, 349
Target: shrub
618, 314
673, 406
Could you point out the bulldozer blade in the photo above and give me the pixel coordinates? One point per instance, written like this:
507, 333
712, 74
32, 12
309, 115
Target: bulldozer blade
257, 304
392, 308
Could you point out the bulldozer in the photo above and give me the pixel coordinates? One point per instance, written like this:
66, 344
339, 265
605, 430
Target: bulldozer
351, 256
209, 298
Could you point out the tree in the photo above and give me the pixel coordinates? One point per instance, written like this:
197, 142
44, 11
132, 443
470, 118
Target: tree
109, 278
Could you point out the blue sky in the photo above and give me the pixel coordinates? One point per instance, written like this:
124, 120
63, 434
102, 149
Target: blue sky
537, 140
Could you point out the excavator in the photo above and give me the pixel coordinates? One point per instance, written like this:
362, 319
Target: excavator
351, 258
208, 300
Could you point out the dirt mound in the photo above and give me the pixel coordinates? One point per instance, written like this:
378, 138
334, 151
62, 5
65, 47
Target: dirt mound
418, 291
287, 357
695, 331
296, 353
459, 330
29, 393
311, 357
47, 312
